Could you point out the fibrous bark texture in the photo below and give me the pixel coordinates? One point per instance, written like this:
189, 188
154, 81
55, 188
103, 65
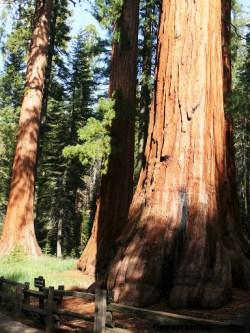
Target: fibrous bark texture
178, 241
117, 185
19, 221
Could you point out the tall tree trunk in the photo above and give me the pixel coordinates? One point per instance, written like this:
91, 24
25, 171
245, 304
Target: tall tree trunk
46, 92
59, 239
117, 185
177, 220
47, 79
19, 220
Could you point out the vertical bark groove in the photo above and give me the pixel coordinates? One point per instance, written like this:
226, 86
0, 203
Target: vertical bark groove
178, 216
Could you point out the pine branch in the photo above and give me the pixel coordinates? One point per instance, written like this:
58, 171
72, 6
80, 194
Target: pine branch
73, 2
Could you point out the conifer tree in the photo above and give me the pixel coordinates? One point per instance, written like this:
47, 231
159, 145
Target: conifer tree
239, 108
178, 226
52, 135
241, 115
61, 179
15, 48
149, 15
117, 183
19, 221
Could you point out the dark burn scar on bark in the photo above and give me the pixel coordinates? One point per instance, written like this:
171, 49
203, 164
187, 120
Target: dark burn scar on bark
183, 213
164, 158
181, 231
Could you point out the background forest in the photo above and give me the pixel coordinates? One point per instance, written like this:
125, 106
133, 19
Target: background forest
74, 142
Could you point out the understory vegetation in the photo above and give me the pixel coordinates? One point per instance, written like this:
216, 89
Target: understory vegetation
21, 268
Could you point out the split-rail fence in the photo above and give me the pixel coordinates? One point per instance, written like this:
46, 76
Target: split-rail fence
50, 300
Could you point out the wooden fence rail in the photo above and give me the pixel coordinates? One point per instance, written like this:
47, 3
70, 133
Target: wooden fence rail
50, 300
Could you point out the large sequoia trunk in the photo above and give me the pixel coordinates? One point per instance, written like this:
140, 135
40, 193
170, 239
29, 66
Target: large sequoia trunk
117, 185
19, 220
178, 231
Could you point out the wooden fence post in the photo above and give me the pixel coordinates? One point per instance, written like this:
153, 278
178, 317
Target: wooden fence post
18, 300
109, 315
49, 319
100, 311
1, 287
26, 297
60, 299
39, 283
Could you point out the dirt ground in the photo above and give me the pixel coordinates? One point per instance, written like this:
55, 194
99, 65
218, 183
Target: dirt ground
240, 306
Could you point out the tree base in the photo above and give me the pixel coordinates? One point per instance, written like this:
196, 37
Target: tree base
190, 278
30, 248
87, 261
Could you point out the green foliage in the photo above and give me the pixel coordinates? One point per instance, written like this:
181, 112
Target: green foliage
240, 111
148, 25
54, 270
60, 187
95, 137
108, 12
85, 227
238, 49
17, 255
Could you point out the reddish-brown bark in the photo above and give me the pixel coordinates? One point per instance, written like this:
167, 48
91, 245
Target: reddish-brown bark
19, 221
177, 241
117, 185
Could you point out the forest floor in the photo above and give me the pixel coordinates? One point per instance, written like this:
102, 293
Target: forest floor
240, 305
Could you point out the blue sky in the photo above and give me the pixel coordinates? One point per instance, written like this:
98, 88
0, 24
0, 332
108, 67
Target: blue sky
82, 17
245, 3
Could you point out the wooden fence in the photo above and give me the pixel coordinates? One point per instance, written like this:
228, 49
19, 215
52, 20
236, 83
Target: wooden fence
50, 300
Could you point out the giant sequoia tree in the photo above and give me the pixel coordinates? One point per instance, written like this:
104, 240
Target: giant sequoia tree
178, 226
117, 184
19, 221
11, 91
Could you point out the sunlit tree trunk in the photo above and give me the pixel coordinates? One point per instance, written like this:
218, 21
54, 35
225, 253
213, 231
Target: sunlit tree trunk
177, 241
117, 185
19, 221
59, 239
